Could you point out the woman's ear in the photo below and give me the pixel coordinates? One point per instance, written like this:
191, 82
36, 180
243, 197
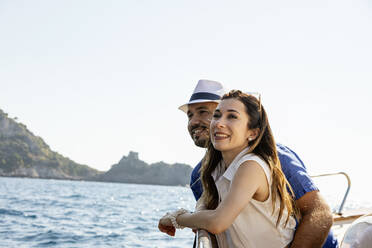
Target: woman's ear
253, 134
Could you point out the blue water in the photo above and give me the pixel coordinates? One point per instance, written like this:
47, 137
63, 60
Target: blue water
56, 213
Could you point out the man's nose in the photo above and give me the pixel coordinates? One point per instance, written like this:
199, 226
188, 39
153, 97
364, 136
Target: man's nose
194, 121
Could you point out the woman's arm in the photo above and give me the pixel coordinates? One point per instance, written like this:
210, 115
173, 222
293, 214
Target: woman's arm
249, 181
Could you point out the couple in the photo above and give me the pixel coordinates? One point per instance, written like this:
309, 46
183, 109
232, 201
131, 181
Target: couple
246, 199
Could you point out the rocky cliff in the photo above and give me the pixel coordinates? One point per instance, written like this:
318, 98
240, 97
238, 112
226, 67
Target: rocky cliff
23, 154
131, 169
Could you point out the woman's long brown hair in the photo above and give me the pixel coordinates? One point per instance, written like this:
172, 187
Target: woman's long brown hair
263, 146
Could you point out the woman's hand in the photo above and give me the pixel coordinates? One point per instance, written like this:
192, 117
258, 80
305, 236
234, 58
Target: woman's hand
165, 226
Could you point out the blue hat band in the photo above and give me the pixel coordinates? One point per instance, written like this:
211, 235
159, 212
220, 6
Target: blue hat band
204, 96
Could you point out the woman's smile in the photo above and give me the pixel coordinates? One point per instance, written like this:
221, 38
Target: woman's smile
220, 136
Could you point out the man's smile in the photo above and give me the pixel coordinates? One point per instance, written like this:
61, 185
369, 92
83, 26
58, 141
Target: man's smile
196, 132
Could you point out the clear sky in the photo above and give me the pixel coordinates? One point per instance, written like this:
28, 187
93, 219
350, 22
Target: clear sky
96, 79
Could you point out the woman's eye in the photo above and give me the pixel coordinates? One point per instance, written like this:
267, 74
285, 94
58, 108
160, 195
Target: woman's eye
216, 115
233, 116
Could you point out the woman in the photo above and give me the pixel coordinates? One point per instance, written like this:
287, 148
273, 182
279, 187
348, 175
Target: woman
245, 200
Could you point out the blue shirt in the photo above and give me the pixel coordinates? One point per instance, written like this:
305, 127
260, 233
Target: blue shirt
294, 170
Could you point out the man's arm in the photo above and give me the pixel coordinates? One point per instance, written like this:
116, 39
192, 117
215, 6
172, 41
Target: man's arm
317, 218
315, 222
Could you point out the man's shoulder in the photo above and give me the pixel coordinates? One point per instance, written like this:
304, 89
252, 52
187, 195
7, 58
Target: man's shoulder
197, 167
195, 183
195, 174
295, 171
288, 158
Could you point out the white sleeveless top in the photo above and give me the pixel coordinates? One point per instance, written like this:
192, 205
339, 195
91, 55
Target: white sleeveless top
255, 226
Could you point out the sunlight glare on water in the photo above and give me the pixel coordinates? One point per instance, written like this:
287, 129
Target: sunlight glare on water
56, 213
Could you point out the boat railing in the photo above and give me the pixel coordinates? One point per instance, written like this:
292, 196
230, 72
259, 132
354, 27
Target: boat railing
205, 240
347, 189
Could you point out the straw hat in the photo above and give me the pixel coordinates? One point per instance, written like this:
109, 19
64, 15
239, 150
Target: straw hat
205, 91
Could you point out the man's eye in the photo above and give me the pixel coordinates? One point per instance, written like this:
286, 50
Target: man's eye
203, 112
189, 116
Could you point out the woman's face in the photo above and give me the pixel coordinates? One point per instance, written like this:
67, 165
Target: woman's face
229, 127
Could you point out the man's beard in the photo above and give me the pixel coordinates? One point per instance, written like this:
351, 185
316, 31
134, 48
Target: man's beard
200, 135
201, 142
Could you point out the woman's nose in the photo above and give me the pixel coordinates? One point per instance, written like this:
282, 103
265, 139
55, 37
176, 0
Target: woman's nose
220, 123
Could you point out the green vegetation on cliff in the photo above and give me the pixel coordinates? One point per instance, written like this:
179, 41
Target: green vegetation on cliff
24, 154
132, 170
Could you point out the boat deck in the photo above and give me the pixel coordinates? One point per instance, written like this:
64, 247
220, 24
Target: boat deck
347, 217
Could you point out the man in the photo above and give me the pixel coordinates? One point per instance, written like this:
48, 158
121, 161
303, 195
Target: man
316, 217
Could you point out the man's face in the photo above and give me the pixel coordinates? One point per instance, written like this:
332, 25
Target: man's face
200, 116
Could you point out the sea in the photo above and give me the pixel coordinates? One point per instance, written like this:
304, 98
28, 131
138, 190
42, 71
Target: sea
62, 213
